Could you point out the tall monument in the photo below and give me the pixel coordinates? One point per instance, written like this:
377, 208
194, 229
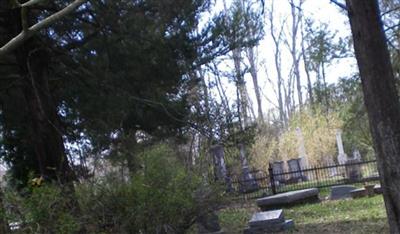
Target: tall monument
301, 148
342, 157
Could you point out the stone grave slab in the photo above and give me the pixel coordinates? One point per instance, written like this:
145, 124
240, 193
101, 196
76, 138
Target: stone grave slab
285, 225
288, 199
378, 189
267, 222
358, 193
272, 217
341, 192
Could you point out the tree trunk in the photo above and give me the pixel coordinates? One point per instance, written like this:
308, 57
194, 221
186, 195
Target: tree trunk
306, 68
326, 88
253, 73
380, 97
309, 84
4, 228
241, 90
296, 18
44, 124
277, 60
47, 135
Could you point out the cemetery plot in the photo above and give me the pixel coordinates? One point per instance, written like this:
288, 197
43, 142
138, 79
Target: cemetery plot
280, 178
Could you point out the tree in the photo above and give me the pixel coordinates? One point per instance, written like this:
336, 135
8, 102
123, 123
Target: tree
277, 39
254, 28
105, 73
43, 132
380, 98
320, 50
292, 45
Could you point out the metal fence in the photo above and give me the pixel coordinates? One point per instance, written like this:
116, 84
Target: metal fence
260, 183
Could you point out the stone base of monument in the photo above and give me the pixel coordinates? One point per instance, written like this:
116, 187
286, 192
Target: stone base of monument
358, 193
341, 192
288, 199
370, 189
268, 222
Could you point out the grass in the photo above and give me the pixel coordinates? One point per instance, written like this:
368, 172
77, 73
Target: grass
365, 215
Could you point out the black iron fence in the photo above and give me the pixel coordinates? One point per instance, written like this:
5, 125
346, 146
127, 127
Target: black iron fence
259, 183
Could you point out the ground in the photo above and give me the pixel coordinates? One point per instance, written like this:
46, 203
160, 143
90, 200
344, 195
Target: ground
364, 215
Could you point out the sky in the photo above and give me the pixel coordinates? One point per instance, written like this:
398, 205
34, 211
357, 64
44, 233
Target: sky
321, 11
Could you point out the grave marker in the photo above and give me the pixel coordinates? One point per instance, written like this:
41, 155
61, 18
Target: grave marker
342, 157
269, 221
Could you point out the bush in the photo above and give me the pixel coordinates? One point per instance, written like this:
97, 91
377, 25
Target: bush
47, 209
319, 131
162, 197
159, 198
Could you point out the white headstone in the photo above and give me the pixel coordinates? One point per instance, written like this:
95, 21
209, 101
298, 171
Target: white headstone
302, 148
342, 157
356, 154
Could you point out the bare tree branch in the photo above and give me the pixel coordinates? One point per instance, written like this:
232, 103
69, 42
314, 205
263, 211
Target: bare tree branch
390, 11
339, 4
30, 3
28, 33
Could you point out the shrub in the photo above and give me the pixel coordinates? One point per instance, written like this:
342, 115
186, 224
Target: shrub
161, 197
44, 209
319, 131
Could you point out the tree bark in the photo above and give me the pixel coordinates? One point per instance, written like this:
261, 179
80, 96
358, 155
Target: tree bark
306, 66
254, 76
47, 139
296, 18
380, 97
46, 136
4, 228
277, 60
242, 101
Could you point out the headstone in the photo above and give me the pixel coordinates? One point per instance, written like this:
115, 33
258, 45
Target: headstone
217, 151
247, 181
378, 189
267, 222
302, 148
332, 170
294, 166
353, 170
342, 157
341, 191
356, 155
277, 169
288, 199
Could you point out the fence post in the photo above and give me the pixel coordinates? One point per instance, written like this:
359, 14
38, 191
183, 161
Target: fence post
271, 178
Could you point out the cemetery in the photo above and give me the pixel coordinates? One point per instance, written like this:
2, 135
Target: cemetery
293, 186
297, 174
199, 117
361, 215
